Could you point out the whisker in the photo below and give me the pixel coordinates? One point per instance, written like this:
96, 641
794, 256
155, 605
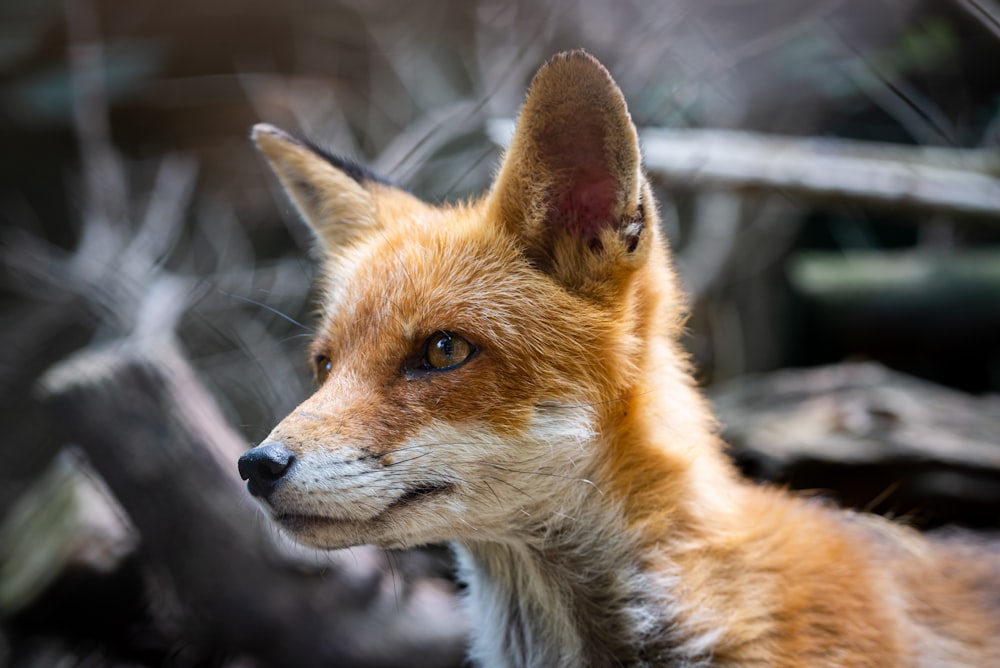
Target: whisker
493, 491
509, 484
413, 458
267, 307
307, 335
392, 574
546, 474
467, 524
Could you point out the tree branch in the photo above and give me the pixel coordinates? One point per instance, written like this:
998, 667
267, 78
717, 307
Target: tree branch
959, 181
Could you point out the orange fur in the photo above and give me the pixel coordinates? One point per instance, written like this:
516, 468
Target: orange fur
570, 458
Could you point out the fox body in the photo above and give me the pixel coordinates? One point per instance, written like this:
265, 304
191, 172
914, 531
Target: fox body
505, 374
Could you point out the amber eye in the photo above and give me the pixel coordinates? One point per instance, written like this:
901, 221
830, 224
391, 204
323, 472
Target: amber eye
321, 367
445, 350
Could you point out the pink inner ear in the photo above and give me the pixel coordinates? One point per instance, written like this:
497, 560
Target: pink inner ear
586, 206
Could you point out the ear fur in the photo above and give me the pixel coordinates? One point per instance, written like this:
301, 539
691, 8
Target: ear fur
571, 183
328, 193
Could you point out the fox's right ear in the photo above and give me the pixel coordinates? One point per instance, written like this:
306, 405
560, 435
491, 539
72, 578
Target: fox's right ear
571, 186
332, 199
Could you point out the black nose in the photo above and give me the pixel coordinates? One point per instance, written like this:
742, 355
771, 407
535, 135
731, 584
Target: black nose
264, 466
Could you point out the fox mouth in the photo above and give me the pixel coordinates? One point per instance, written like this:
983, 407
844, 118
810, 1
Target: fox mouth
416, 494
419, 493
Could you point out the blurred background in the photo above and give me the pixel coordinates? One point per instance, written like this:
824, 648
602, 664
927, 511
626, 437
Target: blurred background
829, 178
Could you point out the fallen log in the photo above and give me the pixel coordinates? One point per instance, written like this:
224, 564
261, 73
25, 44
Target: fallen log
155, 436
872, 438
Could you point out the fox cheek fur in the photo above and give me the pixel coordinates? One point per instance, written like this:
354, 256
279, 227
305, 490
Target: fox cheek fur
505, 374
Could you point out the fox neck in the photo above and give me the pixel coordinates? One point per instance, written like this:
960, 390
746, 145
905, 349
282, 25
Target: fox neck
588, 591
565, 601
596, 584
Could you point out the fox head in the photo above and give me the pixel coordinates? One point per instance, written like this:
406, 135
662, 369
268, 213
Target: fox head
476, 363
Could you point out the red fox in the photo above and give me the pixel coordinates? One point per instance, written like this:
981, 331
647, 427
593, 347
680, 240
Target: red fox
505, 375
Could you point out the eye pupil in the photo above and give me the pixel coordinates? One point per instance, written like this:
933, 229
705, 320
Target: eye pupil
323, 366
445, 351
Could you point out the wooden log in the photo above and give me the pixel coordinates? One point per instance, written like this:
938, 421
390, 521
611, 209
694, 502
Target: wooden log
873, 438
155, 435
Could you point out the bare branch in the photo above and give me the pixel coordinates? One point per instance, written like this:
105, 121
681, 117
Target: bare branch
959, 181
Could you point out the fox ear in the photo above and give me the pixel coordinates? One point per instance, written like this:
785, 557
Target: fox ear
571, 184
328, 192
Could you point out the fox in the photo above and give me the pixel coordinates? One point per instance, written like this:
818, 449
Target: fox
505, 374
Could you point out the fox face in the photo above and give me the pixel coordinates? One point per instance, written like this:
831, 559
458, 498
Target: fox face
469, 357
439, 390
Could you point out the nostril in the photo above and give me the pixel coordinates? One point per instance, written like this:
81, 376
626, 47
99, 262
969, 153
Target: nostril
263, 466
275, 468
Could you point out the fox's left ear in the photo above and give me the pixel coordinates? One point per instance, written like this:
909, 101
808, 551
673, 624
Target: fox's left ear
329, 193
571, 184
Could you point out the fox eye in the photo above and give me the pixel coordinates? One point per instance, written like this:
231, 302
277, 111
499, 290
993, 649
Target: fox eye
444, 351
321, 367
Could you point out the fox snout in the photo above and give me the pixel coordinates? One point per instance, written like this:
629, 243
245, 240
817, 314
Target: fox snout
263, 468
